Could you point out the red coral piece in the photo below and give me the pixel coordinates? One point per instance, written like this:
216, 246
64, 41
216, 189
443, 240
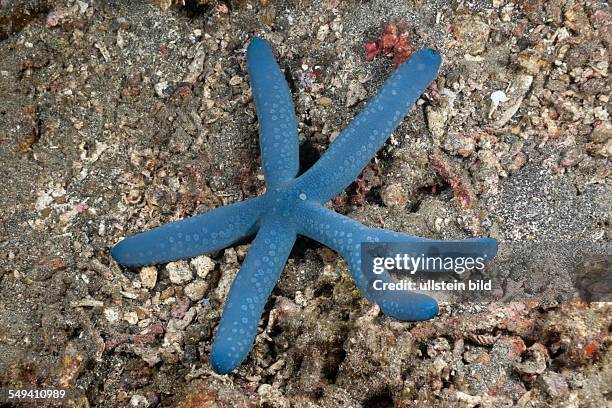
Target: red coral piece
591, 349
390, 43
372, 50
402, 50
389, 38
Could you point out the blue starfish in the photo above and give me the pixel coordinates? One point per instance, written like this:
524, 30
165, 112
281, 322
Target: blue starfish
293, 206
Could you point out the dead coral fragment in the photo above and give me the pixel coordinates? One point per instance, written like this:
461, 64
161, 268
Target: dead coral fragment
14, 19
482, 339
471, 31
29, 129
461, 188
463, 191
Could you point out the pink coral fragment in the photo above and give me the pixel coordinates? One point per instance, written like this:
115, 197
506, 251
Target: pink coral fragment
390, 43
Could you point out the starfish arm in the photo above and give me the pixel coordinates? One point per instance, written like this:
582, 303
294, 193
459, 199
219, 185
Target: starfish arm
365, 135
193, 236
248, 295
278, 140
346, 236
409, 305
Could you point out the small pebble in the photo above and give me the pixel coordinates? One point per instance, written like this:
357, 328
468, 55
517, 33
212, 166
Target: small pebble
131, 317
148, 277
112, 315
235, 80
166, 293
322, 33
472, 32
499, 96
179, 272
230, 256
225, 282
394, 196
196, 290
138, 401
554, 384
325, 101
202, 265
164, 89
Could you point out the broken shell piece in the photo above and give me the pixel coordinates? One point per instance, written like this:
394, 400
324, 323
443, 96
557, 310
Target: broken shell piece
497, 97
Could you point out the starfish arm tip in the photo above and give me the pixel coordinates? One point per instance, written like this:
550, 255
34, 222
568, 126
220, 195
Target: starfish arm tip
412, 307
190, 237
248, 295
278, 138
353, 149
139, 250
220, 362
120, 253
433, 56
